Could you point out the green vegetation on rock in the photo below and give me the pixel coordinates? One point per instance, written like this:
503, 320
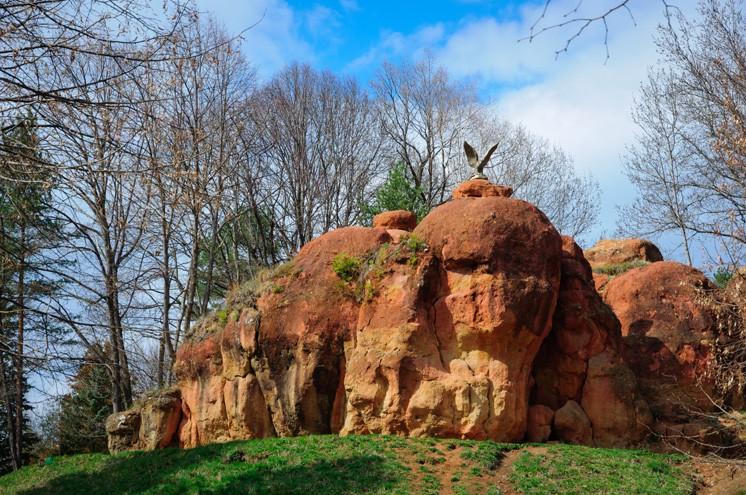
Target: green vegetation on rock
615, 269
346, 267
371, 464
361, 275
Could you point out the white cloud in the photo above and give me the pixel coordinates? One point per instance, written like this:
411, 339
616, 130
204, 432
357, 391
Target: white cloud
349, 5
275, 38
578, 100
322, 21
393, 45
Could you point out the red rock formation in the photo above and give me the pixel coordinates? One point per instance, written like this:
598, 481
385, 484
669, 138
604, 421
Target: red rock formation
615, 251
480, 188
572, 425
667, 332
397, 219
581, 360
539, 426
434, 332
447, 349
278, 370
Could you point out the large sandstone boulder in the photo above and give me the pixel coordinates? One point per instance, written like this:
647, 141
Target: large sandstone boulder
668, 334
572, 425
447, 348
151, 424
397, 219
617, 251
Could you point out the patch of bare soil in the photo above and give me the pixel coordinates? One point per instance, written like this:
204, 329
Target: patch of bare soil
718, 476
452, 470
445, 469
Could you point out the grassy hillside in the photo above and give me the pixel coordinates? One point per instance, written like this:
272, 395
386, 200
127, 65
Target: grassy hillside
358, 464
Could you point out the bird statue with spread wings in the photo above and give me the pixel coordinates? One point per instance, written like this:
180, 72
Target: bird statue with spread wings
473, 158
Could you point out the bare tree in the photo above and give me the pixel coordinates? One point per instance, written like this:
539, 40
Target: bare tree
105, 204
697, 112
320, 150
41, 37
657, 165
425, 117
575, 20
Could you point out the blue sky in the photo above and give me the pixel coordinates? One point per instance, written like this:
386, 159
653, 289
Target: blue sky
580, 101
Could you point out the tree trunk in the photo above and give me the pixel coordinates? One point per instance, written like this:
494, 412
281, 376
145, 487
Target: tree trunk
19, 364
14, 458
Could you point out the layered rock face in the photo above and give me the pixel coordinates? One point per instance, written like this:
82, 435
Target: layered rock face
430, 332
446, 348
278, 368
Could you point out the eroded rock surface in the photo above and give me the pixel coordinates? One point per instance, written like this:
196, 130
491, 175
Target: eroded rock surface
152, 424
480, 188
447, 347
432, 332
397, 219
581, 360
668, 333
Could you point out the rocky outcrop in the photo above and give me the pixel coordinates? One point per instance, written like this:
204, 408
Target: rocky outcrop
446, 348
581, 360
617, 251
278, 368
572, 425
151, 424
397, 219
482, 322
539, 426
668, 334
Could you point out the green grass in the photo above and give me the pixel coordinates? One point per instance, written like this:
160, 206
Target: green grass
577, 470
615, 269
351, 465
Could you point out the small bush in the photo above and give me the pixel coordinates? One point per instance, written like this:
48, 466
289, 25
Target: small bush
246, 294
722, 276
222, 316
346, 267
414, 243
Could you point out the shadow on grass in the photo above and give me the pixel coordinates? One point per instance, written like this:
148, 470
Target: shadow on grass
207, 471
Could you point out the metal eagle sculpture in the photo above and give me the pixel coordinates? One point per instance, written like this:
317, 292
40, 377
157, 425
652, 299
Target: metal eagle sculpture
473, 159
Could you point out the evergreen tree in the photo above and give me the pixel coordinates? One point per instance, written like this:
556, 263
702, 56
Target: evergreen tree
84, 410
26, 230
398, 192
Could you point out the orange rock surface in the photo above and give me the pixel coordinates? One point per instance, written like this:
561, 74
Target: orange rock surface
668, 333
480, 188
397, 219
615, 251
480, 323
